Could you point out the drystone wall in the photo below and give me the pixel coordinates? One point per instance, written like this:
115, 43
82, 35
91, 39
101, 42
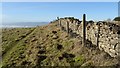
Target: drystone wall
102, 34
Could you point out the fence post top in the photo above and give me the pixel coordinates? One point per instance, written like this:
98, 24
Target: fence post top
58, 18
84, 14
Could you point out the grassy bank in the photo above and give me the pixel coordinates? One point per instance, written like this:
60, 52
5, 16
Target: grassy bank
48, 46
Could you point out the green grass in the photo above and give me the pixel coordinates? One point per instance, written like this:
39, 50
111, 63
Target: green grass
79, 59
22, 46
14, 49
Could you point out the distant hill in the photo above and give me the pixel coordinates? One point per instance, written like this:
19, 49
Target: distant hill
24, 24
117, 19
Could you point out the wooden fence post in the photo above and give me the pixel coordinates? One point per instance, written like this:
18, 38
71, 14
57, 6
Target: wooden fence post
84, 30
67, 25
98, 32
59, 22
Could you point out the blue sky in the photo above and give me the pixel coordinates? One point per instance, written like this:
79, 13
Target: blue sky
59, 0
48, 11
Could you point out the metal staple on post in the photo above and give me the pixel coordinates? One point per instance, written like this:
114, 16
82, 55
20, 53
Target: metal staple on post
84, 30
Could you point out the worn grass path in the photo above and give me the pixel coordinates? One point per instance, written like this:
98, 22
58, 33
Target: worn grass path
12, 49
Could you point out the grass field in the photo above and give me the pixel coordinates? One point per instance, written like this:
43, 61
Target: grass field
48, 46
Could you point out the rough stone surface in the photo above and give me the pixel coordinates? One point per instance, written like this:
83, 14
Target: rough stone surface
102, 34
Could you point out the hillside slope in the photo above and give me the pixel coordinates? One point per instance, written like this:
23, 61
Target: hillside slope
49, 46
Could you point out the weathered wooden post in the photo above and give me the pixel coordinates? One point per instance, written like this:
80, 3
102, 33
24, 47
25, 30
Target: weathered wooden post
84, 30
98, 32
67, 26
59, 22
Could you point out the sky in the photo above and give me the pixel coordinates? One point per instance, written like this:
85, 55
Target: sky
13, 12
59, 0
118, 8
